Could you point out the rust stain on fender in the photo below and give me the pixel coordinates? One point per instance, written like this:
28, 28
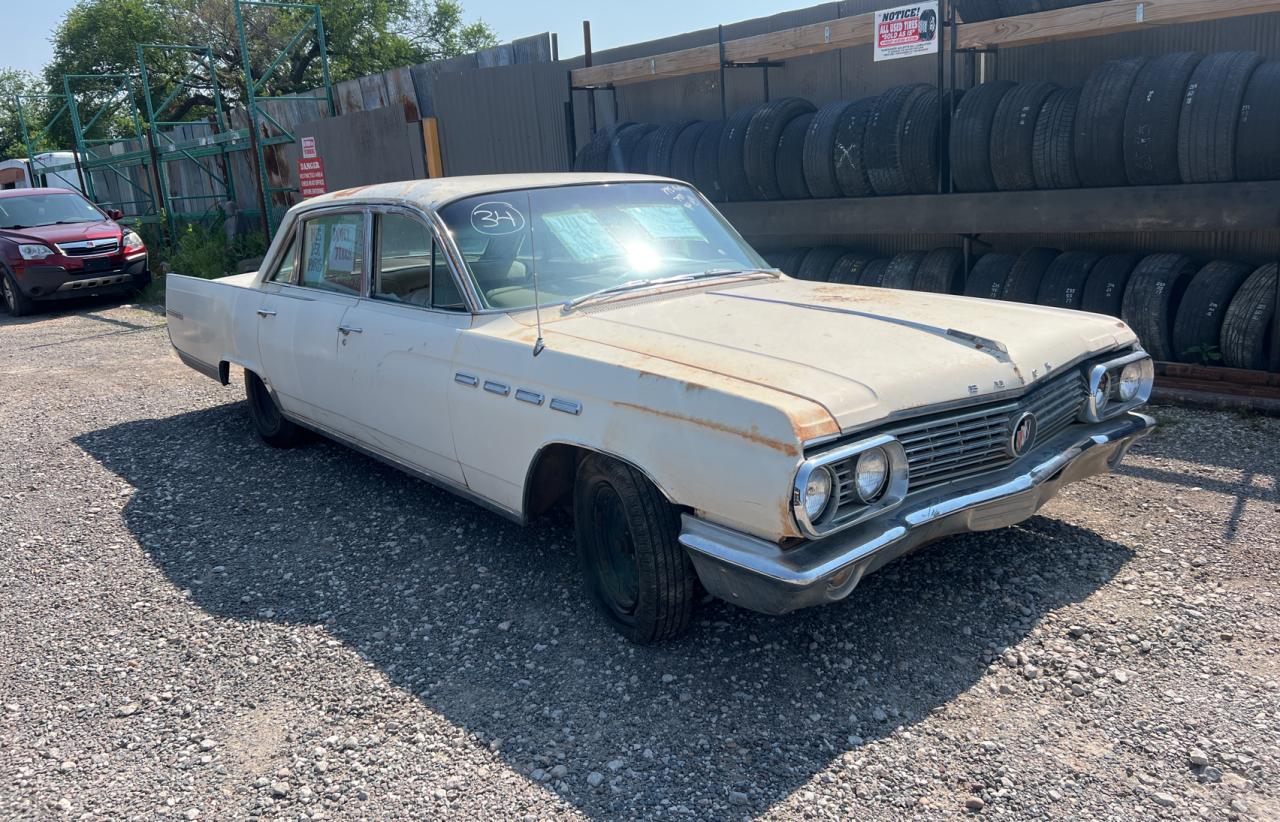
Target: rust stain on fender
750, 436
812, 423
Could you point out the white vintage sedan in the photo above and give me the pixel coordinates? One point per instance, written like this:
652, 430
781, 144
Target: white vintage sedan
608, 343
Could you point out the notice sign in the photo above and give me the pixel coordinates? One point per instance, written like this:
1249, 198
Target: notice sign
311, 177
907, 31
308, 147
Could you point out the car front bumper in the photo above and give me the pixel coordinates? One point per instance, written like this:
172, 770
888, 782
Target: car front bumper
760, 575
44, 282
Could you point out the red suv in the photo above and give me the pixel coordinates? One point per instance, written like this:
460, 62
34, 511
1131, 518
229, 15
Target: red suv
56, 244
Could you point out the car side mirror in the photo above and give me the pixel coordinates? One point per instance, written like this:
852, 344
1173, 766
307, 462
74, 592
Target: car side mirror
115, 214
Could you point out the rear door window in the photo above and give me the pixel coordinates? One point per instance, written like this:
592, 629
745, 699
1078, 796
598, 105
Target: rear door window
333, 253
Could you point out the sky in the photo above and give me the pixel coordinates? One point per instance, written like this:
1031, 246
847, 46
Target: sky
613, 23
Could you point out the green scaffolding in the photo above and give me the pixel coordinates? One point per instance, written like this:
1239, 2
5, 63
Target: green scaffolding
312, 26
165, 149
31, 139
119, 93
157, 145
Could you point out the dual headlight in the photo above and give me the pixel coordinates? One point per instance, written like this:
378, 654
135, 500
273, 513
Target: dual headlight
848, 484
1119, 385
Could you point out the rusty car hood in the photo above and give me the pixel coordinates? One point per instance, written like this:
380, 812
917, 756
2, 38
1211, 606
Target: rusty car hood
863, 354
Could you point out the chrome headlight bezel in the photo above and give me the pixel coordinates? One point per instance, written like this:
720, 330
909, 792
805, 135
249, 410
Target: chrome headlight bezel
831, 518
1106, 376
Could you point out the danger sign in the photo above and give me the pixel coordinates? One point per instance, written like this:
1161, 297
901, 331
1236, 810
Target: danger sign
308, 147
311, 177
907, 31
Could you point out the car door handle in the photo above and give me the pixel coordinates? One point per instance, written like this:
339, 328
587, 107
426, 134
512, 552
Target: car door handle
346, 329
266, 312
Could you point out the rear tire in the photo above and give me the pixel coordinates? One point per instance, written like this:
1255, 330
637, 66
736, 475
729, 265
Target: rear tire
17, 303
268, 420
636, 573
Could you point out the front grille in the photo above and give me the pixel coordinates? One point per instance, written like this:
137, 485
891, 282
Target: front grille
81, 249
971, 442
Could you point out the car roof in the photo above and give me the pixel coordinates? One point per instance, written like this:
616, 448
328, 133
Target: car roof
21, 192
439, 192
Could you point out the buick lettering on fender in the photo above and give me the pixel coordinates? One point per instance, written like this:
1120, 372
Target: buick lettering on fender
608, 344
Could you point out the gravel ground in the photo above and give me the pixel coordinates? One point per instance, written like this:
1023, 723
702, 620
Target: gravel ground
195, 626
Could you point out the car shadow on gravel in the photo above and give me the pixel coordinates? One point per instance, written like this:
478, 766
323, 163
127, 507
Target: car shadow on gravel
483, 622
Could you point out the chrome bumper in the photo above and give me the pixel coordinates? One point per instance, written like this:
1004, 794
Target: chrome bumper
759, 575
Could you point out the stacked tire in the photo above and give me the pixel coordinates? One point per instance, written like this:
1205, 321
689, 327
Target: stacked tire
1176, 118
1219, 313
788, 149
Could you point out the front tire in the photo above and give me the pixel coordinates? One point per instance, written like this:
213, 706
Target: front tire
636, 573
268, 420
17, 303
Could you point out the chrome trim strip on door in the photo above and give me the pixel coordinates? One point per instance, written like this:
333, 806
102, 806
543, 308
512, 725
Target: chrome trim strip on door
567, 406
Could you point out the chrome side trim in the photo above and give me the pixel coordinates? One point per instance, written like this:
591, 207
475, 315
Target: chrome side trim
499, 388
532, 397
567, 406
466, 379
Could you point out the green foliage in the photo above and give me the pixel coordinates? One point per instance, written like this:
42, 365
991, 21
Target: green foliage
12, 82
199, 251
363, 37
1204, 354
436, 30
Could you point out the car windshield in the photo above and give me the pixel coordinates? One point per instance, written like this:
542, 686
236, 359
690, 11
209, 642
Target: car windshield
584, 239
31, 210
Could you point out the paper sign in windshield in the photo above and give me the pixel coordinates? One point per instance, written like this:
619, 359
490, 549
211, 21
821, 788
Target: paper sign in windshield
582, 235
663, 222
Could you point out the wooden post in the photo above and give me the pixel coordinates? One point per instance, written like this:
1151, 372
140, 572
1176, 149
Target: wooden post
431, 146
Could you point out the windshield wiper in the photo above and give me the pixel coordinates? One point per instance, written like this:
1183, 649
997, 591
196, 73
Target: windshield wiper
60, 222
15, 227
632, 285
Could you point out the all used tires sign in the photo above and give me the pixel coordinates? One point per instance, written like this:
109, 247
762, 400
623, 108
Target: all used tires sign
907, 31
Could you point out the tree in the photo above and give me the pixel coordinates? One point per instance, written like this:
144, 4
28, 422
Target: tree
13, 82
436, 30
363, 37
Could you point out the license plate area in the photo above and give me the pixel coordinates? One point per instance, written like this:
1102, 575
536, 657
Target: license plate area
94, 266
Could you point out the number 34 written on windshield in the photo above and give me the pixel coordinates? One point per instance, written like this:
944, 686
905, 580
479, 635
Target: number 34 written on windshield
497, 218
